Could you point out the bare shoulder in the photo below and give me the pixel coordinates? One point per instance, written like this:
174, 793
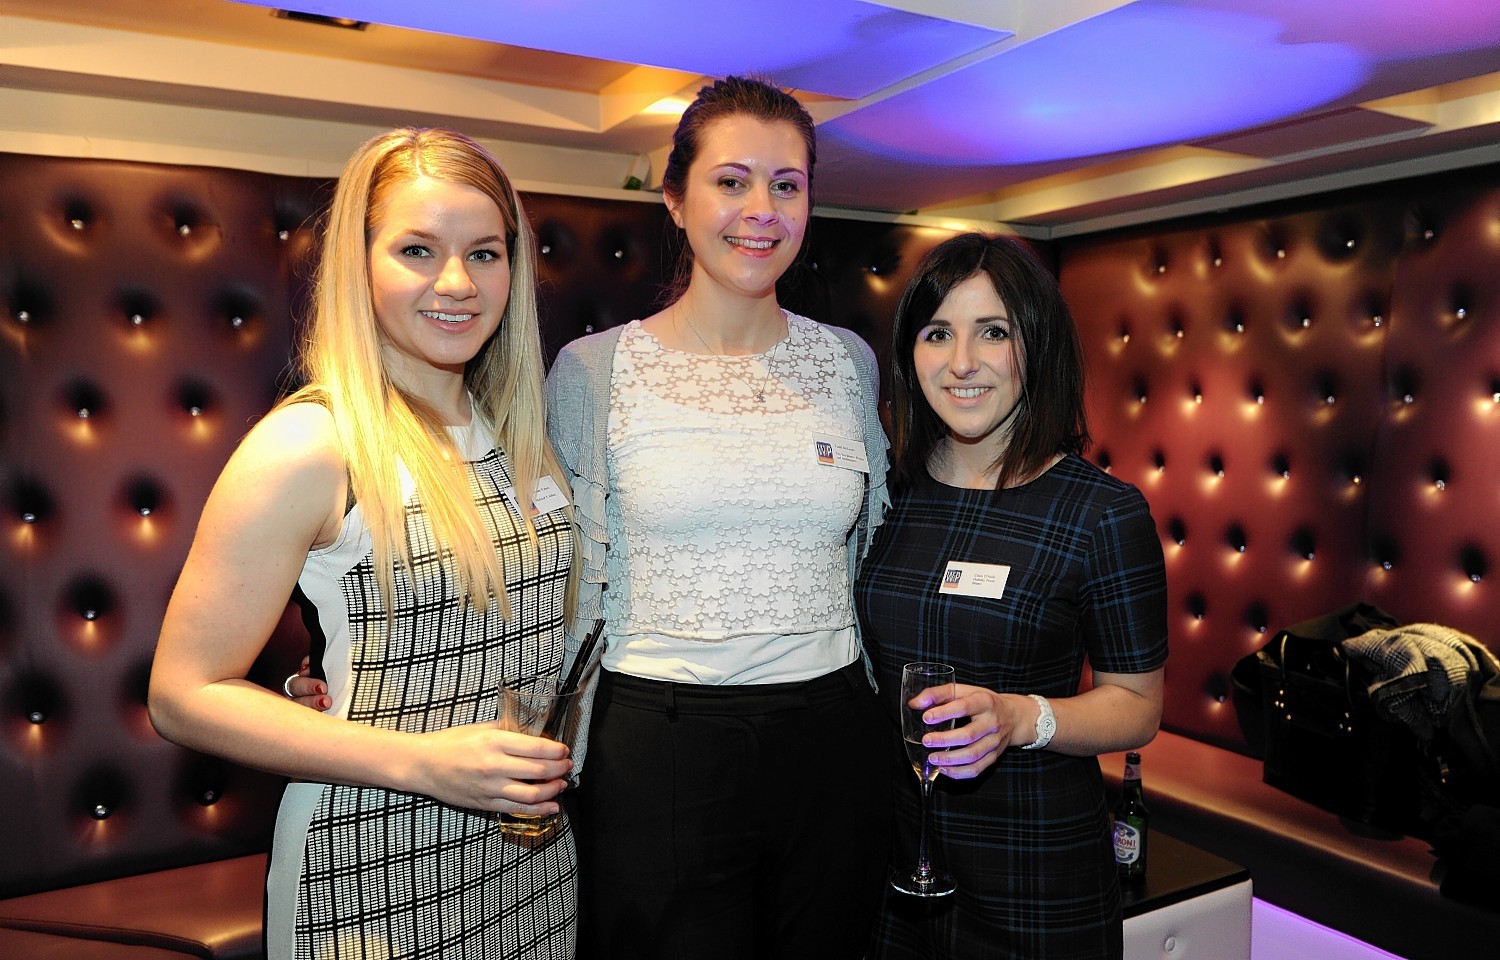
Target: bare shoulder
291, 466
296, 436
279, 496
307, 427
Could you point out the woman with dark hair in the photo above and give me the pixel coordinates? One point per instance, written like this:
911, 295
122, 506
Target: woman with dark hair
1009, 556
729, 467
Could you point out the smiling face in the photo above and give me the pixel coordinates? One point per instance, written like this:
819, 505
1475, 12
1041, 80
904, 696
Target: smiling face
744, 205
439, 277
969, 366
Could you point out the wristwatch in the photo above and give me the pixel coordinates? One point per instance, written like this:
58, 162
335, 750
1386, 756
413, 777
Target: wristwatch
1046, 724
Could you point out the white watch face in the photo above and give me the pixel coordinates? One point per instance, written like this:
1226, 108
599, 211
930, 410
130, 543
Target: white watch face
1046, 725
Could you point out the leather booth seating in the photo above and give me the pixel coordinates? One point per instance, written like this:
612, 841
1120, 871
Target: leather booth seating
146, 319
45, 946
210, 909
1310, 399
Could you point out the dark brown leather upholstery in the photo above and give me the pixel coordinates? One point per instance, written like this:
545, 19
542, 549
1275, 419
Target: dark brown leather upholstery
145, 322
27, 945
145, 325
210, 909
1310, 399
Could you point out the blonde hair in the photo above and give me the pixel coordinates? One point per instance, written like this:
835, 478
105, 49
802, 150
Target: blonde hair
382, 426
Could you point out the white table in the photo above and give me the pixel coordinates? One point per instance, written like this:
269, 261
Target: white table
1191, 905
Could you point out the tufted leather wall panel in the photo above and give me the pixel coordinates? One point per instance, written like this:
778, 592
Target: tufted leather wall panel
600, 263
145, 321
1434, 535
1310, 399
853, 273
145, 325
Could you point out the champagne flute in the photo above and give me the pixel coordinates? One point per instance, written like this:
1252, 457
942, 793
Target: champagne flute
924, 880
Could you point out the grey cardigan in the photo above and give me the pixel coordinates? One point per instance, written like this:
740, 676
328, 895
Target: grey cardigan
578, 390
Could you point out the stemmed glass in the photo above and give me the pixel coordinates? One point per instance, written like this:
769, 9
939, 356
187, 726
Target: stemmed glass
925, 880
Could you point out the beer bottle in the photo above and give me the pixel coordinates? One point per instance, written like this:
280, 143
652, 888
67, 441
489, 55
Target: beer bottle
1130, 823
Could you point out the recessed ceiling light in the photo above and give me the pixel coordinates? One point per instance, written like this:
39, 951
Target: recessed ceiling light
342, 22
667, 107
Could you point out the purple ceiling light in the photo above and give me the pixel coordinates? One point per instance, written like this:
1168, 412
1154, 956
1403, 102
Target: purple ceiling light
1135, 77
839, 48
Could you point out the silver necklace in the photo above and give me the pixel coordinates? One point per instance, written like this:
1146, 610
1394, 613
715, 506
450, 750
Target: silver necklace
760, 394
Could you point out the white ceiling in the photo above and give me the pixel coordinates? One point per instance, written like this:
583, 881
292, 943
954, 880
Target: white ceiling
1057, 116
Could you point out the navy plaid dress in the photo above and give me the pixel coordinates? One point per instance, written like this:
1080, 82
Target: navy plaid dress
368, 874
1028, 840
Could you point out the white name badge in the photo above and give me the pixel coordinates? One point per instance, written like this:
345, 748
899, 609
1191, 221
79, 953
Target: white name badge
544, 499
839, 452
975, 579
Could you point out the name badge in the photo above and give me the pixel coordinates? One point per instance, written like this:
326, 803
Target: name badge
840, 452
975, 579
544, 499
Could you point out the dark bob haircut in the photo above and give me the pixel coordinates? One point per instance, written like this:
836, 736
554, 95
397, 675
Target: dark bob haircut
1050, 416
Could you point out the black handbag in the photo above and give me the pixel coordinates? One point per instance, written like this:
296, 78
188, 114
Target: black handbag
1322, 741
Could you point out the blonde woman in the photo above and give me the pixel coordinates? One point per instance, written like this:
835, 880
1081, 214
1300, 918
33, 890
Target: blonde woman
409, 500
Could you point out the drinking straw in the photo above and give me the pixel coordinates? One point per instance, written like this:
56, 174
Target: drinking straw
583, 661
583, 665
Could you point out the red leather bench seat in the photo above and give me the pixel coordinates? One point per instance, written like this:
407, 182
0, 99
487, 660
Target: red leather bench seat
25, 945
208, 910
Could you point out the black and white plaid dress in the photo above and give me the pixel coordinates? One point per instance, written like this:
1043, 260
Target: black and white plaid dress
367, 873
1028, 840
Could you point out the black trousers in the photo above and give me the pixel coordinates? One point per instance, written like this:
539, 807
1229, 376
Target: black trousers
743, 822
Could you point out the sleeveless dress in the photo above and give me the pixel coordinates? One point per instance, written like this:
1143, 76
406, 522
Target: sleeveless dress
367, 873
1029, 839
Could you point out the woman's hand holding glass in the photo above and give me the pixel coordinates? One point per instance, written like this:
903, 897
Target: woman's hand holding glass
535, 708
922, 685
983, 722
481, 767
475, 766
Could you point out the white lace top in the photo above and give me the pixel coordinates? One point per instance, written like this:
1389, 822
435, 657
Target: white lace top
728, 558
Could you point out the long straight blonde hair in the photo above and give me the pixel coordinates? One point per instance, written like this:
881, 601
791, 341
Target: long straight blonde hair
380, 425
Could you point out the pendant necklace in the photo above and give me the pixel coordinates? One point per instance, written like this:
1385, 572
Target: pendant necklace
758, 394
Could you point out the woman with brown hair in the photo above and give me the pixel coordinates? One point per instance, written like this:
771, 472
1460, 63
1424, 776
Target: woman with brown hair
729, 467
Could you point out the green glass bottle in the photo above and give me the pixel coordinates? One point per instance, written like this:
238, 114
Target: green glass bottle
1131, 817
